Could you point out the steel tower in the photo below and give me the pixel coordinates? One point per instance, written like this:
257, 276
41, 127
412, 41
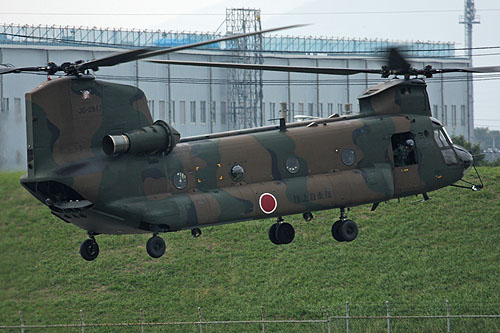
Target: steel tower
245, 86
468, 19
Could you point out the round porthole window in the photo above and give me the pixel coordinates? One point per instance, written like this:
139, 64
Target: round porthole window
237, 172
292, 165
180, 180
348, 157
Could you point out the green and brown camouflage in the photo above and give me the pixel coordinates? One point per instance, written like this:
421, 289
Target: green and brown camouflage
141, 178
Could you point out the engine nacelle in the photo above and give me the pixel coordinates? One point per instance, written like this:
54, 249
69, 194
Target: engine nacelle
157, 138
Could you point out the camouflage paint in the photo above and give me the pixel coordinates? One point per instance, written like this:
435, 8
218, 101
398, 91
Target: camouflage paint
131, 193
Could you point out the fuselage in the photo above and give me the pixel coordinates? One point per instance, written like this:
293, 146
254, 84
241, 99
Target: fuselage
316, 165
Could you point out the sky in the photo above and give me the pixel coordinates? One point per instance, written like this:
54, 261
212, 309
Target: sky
423, 20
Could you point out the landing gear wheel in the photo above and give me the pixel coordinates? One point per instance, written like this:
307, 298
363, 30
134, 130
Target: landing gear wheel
285, 233
348, 230
335, 231
89, 250
196, 232
155, 247
272, 234
307, 216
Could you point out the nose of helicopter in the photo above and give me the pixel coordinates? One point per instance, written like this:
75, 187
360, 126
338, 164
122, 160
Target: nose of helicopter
465, 157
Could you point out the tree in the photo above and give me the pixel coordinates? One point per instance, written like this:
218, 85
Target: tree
474, 149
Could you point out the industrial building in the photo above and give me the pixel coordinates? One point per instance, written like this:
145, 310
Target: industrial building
199, 100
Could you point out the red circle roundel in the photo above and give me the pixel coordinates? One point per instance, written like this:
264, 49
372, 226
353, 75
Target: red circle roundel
268, 203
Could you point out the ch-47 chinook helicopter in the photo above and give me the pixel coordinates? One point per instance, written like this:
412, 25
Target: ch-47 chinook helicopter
96, 159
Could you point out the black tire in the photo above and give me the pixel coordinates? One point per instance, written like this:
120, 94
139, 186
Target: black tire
89, 250
335, 231
348, 230
272, 234
285, 233
307, 216
156, 247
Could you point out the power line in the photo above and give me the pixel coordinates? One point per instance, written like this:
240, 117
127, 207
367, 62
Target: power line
277, 82
263, 13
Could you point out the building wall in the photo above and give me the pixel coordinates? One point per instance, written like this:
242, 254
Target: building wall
179, 94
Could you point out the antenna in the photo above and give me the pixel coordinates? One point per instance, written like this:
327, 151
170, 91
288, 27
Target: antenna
468, 19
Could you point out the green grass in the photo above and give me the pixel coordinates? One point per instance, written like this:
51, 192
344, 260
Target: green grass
414, 255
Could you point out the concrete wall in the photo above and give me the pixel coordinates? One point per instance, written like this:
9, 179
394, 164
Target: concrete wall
173, 90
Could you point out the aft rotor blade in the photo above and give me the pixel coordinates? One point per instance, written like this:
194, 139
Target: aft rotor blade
132, 55
397, 62
486, 69
276, 68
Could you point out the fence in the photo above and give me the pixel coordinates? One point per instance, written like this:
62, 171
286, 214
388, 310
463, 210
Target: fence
329, 323
113, 37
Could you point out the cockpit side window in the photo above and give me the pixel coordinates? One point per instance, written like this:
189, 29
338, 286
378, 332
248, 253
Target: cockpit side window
440, 139
403, 148
444, 143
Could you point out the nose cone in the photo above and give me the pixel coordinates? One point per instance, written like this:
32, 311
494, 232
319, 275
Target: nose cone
464, 156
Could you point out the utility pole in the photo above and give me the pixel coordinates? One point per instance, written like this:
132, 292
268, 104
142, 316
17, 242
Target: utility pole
468, 19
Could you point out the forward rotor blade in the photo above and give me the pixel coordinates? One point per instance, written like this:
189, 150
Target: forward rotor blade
114, 59
218, 40
276, 68
8, 70
132, 55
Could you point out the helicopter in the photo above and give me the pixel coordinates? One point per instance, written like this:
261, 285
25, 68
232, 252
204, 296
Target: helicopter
96, 158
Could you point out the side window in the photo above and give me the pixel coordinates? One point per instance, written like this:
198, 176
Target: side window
444, 143
403, 147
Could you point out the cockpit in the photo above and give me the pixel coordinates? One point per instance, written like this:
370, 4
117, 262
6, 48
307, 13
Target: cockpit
452, 154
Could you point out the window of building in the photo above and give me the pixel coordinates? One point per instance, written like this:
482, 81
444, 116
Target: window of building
435, 112
223, 113
203, 112
330, 109
151, 105
212, 112
17, 105
272, 110
340, 108
182, 110
462, 112
171, 112
192, 111
162, 110
264, 119
5, 104
291, 112
320, 110
445, 115
454, 115
310, 109
301, 109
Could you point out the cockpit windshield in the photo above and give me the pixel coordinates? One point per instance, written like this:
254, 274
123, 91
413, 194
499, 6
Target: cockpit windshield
446, 135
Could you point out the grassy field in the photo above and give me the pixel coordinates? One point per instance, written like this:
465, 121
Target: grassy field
414, 255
